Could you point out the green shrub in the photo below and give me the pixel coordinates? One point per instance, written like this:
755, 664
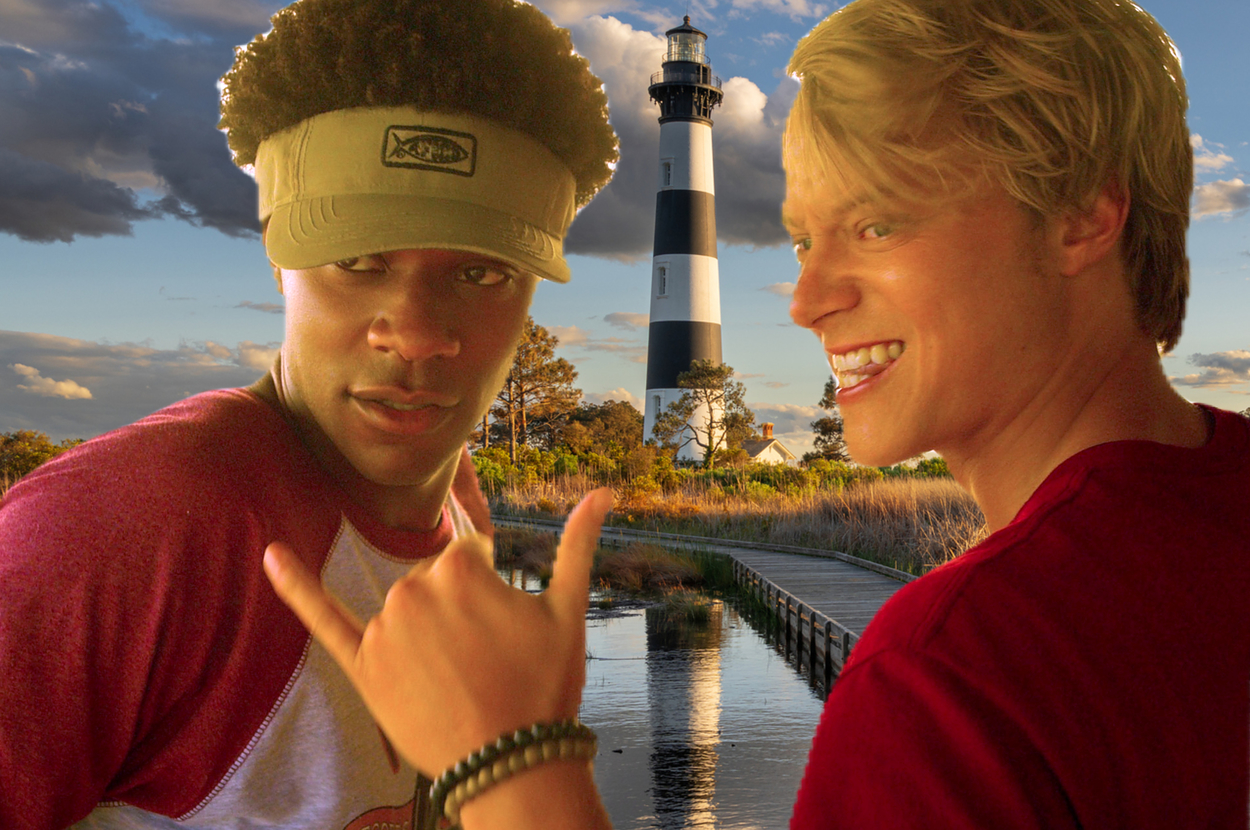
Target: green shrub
782, 477
933, 467
862, 475
639, 487
490, 474
24, 450
758, 491
601, 468
565, 465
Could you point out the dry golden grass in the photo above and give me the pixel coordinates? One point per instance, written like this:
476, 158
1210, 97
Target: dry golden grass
639, 568
914, 524
643, 568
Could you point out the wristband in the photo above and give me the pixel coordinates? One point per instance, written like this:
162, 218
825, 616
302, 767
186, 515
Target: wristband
511, 753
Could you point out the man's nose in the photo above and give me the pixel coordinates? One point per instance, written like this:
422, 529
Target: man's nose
415, 323
825, 286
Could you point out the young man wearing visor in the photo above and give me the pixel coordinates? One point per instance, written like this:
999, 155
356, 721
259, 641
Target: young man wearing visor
418, 163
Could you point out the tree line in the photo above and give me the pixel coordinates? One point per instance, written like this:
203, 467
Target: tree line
539, 426
24, 450
539, 408
539, 423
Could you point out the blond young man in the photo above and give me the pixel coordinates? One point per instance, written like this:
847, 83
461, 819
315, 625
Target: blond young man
419, 162
989, 201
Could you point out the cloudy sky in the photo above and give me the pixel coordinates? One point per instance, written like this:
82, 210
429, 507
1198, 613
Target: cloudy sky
133, 276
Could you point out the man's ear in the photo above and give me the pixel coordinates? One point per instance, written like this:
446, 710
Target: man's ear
1092, 234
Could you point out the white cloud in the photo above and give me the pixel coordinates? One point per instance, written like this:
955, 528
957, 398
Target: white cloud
618, 394
258, 356
576, 337
750, 183
37, 384
771, 38
742, 110
1206, 158
566, 12
568, 335
787, 416
1220, 370
792, 424
794, 9
1221, 197
217, 350
781, 289
627, 320
125, 381
268, 308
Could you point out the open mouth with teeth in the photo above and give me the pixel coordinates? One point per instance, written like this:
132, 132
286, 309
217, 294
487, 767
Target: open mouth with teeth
855, 367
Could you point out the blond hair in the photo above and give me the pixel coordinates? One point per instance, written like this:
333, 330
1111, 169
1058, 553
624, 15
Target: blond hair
1050, 99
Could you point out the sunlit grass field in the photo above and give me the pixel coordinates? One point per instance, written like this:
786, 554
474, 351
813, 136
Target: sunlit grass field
914, 524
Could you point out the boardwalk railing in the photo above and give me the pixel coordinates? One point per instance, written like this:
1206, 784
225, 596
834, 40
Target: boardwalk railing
813, 640
612, 536
817, 642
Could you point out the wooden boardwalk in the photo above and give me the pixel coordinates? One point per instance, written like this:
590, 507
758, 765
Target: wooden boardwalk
823, 599
845, 593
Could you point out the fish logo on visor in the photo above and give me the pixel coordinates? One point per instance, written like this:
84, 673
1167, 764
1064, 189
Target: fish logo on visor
430, 148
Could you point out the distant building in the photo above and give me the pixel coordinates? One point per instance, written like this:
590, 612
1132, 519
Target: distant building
768, 450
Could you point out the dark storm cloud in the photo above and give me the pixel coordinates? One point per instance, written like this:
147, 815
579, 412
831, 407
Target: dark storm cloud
45, 203
105, 122
102, 126
235, 21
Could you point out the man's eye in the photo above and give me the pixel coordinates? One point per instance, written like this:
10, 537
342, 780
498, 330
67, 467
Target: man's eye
365, 264
802, 246
485, 275
876, 230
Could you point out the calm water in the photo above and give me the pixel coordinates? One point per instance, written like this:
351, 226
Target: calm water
705, 727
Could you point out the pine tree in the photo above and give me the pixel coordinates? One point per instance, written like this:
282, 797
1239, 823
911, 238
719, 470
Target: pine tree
829, 442
611, 428
537, 395
711, 413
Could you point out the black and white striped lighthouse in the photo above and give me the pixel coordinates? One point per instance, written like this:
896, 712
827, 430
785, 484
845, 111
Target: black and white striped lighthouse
685, 281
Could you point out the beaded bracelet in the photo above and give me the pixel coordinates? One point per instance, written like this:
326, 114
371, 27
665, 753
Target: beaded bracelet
513, 752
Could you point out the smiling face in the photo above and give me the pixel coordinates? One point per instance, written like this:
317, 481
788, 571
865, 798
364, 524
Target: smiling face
944, 322
390, 360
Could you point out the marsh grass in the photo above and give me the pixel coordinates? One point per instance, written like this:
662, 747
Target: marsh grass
691, 607
914, 524
639, 568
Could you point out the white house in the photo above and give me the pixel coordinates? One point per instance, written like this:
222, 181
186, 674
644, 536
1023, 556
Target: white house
768, 450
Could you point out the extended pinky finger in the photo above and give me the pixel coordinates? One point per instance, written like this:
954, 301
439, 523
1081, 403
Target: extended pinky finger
326, 619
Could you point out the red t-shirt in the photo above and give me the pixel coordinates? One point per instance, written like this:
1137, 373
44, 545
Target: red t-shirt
1086, 666
147, 668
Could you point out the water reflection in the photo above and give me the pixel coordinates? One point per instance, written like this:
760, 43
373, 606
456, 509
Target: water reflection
700, 726
683, 687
